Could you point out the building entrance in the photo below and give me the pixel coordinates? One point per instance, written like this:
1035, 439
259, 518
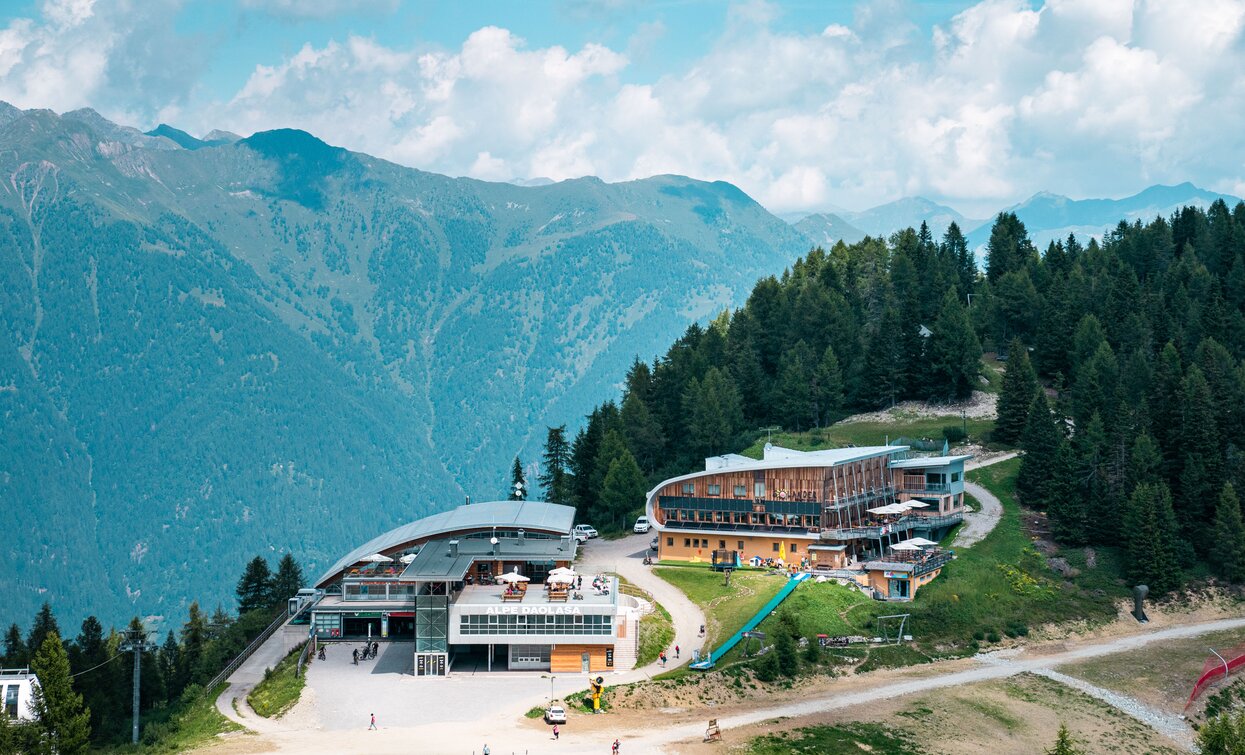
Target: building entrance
356, 627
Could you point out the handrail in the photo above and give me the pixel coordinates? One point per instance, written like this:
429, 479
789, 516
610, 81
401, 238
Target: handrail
255, 643
302, 657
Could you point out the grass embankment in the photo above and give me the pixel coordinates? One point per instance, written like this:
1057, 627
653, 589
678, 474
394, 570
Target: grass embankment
656, 633
726, 609
186, 724
842, 434
279, 689
845, 739
1002, 586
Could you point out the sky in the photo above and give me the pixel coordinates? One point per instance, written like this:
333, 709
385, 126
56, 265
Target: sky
805, 105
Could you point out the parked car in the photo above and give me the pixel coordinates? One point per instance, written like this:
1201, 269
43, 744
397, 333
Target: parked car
586, 530
653, 544
641, 525
555, 714
580, 538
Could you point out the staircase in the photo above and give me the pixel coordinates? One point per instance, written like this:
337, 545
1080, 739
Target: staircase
626, 649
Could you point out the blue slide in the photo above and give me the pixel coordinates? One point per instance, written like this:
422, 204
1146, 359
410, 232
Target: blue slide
707, 663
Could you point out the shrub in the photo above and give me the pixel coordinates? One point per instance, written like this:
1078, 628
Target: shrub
954, 433
993, 636
767, 668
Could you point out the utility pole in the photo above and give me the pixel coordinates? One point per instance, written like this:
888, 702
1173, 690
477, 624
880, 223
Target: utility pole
136, 642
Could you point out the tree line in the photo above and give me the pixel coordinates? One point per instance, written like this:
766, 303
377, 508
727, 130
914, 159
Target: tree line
85, 683
862, 326
1125, 387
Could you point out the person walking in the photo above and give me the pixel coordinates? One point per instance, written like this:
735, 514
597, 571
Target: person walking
614, 749
487, 751
372, 726
676, 651
663, 658
555, 732
355, 654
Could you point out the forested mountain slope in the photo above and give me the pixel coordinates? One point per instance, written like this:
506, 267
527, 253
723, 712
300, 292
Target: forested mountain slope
278, 344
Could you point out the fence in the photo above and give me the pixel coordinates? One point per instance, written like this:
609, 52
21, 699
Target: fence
1219, 664
255, 643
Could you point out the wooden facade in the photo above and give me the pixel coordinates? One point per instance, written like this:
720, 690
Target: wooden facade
568, 659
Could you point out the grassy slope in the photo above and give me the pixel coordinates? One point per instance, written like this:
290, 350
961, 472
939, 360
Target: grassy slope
656, 633
726, 609
1001, 584
868, 433
188, 723
279, 689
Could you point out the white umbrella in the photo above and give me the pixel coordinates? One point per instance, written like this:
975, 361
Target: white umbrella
920, 541
563, 579
377, 558
408, 558
916, 504
880, 510
511, 577
562, 570
904, 547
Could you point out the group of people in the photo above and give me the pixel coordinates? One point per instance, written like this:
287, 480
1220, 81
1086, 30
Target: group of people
369, 651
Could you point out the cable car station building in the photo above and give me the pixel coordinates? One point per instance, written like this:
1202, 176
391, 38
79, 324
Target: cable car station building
433, 582
836, 509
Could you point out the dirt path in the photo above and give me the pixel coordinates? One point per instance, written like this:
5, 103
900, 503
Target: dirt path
979, 523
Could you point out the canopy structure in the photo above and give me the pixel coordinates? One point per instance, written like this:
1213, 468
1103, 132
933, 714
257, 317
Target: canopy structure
560, 579
905, 547
918, 541
915, 504
376, 558
887, 509
562, 570
511, 577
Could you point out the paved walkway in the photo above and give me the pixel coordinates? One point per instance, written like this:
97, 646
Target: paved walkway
979, 523
625, 556
242, 681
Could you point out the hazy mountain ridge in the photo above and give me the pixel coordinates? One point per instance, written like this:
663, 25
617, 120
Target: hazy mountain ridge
276, 344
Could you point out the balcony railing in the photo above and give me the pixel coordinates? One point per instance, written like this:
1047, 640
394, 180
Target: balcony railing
901, 525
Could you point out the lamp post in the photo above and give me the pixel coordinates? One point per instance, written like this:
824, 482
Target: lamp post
550, 677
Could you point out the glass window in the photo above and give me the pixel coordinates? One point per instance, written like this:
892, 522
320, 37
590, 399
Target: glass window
794, 547
669, 542
715, 490
740, 491
722, 544
687, 542
758, 489
689, 488
775, 547
10, 701
740, 546
955, 477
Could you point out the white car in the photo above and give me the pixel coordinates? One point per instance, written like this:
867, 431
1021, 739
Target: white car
555, 714
585, 530
641, 525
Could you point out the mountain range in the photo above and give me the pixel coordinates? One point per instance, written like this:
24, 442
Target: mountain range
212, 348
221, 346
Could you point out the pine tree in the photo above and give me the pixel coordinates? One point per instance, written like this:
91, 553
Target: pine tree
1165, 409
786, 653
714, 417
1093, 482
623, 490
518, 481
15, 653
60, 718
1040, 443
1019, 387
255, 586
642, 431
44, 624
1066, 507
828, 386
1009, 247
956, 248
1063, 743
793, 393
194, 640
1223, 735
170, 662
1154, 550
1145, 460
954, 353
882, 375
287, 582
1200, 474
1227, 549
555, 476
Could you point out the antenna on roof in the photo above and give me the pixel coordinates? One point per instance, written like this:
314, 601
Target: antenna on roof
769, 432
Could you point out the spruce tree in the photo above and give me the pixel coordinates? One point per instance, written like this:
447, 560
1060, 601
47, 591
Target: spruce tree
1092, 479
518, 481
623, 490
1065, 505
793, 393
1019, 387
170, 662
288, 580
642, 431
1166, 395
555, 475
1063, 743
954, 353
1154, 549
254, 588
194, 640
828, 386
1040, 443
1227, 549
1223, 734
44, 624
15, 653
1200, 474
714, 417
63, 723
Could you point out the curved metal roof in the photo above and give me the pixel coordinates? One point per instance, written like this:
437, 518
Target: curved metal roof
533, 515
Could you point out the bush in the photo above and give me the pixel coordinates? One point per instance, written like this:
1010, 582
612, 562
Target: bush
767, 667
993, 636
954, 433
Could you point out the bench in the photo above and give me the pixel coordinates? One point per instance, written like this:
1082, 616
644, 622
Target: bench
505, 596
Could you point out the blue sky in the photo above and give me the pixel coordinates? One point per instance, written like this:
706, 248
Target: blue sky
805, 105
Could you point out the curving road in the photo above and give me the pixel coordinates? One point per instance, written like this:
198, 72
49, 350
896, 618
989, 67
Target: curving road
979, 523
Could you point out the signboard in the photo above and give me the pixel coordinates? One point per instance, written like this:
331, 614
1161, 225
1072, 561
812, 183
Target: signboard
609, 657
365, 615
421, 665
540, 610
895, 575
440, 665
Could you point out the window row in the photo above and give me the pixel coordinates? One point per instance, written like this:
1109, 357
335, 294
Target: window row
704, 542
741, 517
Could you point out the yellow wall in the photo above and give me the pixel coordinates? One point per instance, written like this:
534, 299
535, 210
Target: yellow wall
752, 545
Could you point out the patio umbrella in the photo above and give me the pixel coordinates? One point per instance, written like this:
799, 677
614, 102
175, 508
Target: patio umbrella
880, 509
377, 558
560, 579
408, 558
916, 504
511, 577
904, 547
920, 541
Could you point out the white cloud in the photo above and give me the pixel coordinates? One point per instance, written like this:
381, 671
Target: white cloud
298, 10
1087, 97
